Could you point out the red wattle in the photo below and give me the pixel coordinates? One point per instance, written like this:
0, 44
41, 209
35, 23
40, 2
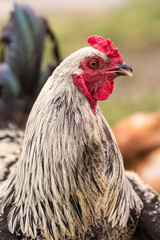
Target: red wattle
80, 83
103, 92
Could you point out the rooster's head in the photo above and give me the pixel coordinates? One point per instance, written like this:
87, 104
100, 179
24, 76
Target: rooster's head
96, 72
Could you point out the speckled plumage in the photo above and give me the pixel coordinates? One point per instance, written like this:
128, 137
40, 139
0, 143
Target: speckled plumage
10, 148
70, 181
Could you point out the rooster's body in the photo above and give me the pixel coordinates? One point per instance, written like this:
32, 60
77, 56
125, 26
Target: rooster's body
70, 181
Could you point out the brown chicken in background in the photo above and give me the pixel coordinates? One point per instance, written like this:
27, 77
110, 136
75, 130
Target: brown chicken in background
138, 137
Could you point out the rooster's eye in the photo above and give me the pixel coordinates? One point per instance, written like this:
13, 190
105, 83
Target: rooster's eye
93, 64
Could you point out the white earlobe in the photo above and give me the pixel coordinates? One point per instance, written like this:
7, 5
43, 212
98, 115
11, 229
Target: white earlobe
78, 71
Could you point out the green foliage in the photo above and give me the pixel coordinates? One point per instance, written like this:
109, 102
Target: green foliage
134, 26
118, 107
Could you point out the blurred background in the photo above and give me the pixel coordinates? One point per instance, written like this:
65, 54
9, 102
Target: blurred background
134, 27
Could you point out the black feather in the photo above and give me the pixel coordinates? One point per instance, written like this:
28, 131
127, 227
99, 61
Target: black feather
22, 46
148, 227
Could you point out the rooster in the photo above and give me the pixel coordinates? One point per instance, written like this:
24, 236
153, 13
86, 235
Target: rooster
70, 181
22, 46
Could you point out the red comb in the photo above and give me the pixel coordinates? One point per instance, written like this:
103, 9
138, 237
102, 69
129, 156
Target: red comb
104, 45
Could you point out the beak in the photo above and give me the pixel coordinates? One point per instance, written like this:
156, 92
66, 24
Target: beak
124, 70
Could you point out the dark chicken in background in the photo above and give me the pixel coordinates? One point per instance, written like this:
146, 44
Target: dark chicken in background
22, 48
70, 181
